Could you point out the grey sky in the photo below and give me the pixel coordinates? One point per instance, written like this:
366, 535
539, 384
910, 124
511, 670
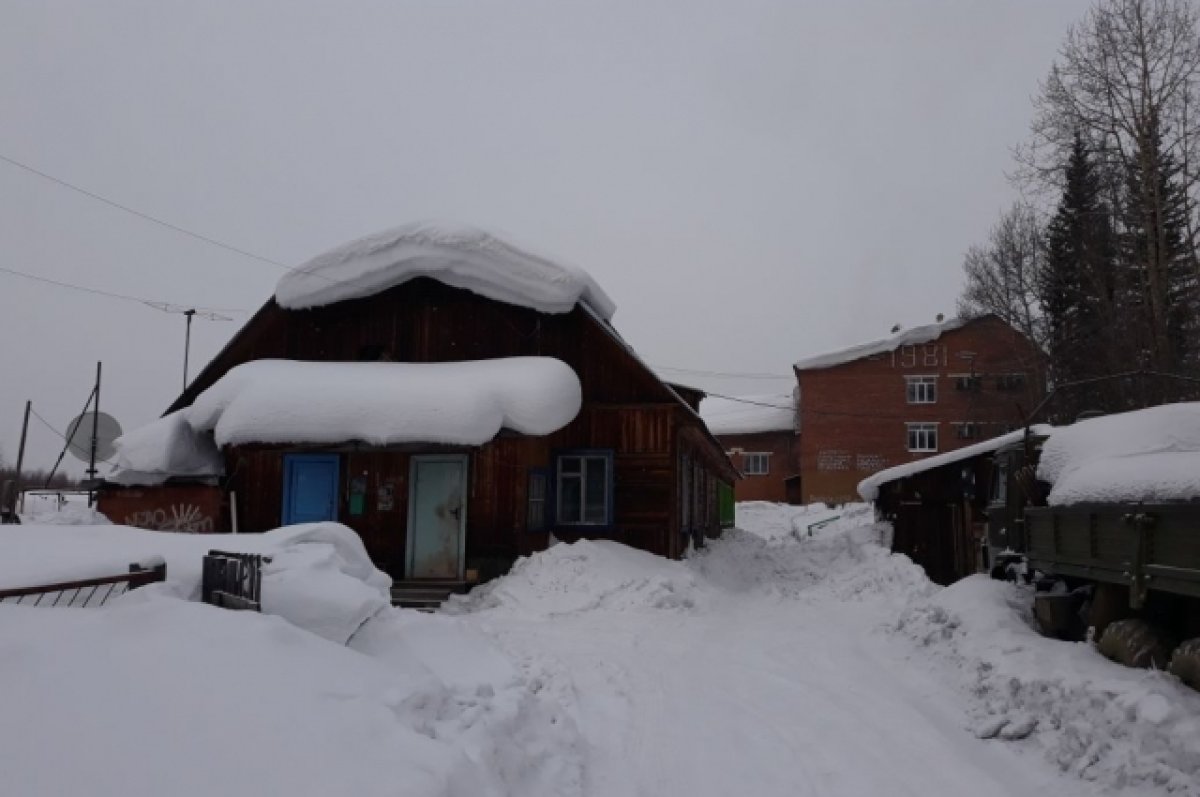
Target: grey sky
750, 181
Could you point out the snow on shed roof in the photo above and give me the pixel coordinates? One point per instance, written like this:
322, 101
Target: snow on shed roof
163, 448
462, 257
749, 414
1144, 455
381, 403
907, 337
868, 488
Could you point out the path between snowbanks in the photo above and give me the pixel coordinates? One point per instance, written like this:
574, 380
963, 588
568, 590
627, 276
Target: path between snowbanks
769, 664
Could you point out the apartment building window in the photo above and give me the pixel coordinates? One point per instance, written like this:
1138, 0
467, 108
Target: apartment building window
922, 437
921, 389
756, 464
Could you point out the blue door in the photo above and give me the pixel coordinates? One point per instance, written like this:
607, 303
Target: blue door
310, 488
437, 516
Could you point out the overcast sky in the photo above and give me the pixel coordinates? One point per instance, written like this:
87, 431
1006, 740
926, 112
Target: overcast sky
750, 181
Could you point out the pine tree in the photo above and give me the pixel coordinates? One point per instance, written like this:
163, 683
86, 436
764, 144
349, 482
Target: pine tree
1078, 289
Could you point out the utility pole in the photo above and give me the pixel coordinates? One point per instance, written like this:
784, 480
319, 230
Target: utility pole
187, 343
21, 447
91, 471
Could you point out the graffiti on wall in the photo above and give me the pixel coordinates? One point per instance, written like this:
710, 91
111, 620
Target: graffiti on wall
186, 518
870, 462
833, 460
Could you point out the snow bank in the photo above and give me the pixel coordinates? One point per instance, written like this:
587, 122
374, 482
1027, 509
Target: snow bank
188, 700
60, 509
908, 337
466, 403
770, 413
585, 576
868, 488
164, 448
461, 257
1116, 726
1145, 455
320, 577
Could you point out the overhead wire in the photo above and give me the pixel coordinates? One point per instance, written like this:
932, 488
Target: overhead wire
154, 303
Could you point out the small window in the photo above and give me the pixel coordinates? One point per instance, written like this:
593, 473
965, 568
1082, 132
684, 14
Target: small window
584, 489
1010, 382
921, 389
756, 464
536, 520
922, 437
968, 383
969, 431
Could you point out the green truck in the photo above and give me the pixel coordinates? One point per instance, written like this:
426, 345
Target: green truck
1126, 574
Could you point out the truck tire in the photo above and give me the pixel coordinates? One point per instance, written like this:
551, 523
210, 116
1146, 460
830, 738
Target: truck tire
1135, 643
1185, 663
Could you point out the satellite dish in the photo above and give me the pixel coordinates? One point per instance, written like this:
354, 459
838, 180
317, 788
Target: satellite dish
80, 429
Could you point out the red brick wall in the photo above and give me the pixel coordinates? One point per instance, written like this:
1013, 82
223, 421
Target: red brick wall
852, 416
784, 448
191, 508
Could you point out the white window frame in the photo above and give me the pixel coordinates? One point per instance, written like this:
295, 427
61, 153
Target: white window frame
756, 456
921, 389
922, 438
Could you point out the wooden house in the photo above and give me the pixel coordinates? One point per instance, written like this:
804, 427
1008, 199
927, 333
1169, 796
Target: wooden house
360, 419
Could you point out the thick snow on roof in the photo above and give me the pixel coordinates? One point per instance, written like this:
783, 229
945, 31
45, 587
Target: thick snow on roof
907, 337
1145, 455
462, 257
380, 403
750, 414
868, 488
164, 448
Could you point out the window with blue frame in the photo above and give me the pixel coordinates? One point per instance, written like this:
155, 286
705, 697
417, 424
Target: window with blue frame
584, 491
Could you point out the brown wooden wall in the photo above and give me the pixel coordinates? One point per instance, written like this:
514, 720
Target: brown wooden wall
625, 408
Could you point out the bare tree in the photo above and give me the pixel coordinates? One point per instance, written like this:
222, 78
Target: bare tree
1004, 275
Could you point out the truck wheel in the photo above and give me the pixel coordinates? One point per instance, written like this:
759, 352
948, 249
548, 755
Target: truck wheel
1185, 663
1135, 643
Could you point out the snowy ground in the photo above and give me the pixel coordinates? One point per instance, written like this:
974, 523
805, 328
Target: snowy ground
772, 662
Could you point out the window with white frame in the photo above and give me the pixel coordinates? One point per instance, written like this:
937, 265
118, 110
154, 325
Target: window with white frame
921, 389
756, 464
922, 437
584, 482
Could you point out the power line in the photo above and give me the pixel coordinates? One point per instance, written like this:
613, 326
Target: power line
167, 307
749, 401
146, 216
729, 374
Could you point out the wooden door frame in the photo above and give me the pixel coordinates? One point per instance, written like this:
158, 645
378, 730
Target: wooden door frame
409, 549
288, 460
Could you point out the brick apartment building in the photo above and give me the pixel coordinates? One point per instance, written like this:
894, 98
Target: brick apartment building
920, 392
759, 436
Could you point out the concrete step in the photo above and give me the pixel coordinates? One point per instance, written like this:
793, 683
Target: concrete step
428, 595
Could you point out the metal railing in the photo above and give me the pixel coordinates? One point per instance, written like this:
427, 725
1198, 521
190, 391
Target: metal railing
233, 580
88, 592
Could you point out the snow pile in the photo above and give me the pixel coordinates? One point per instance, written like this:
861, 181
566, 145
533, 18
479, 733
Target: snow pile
462, 257
1145, 455
201, 701
749, 414
467, 403
164, 448
908, 337
60, 509
584, 576
868, 488
319, 578
1101, 721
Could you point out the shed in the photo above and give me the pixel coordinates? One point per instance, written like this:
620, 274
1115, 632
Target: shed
937, 506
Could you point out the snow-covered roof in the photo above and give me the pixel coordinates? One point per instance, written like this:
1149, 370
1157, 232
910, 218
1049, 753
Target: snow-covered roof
164, 448
381, 403
1144, 455
907, 337
378, 403
868, 488
749, 414
462, 257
